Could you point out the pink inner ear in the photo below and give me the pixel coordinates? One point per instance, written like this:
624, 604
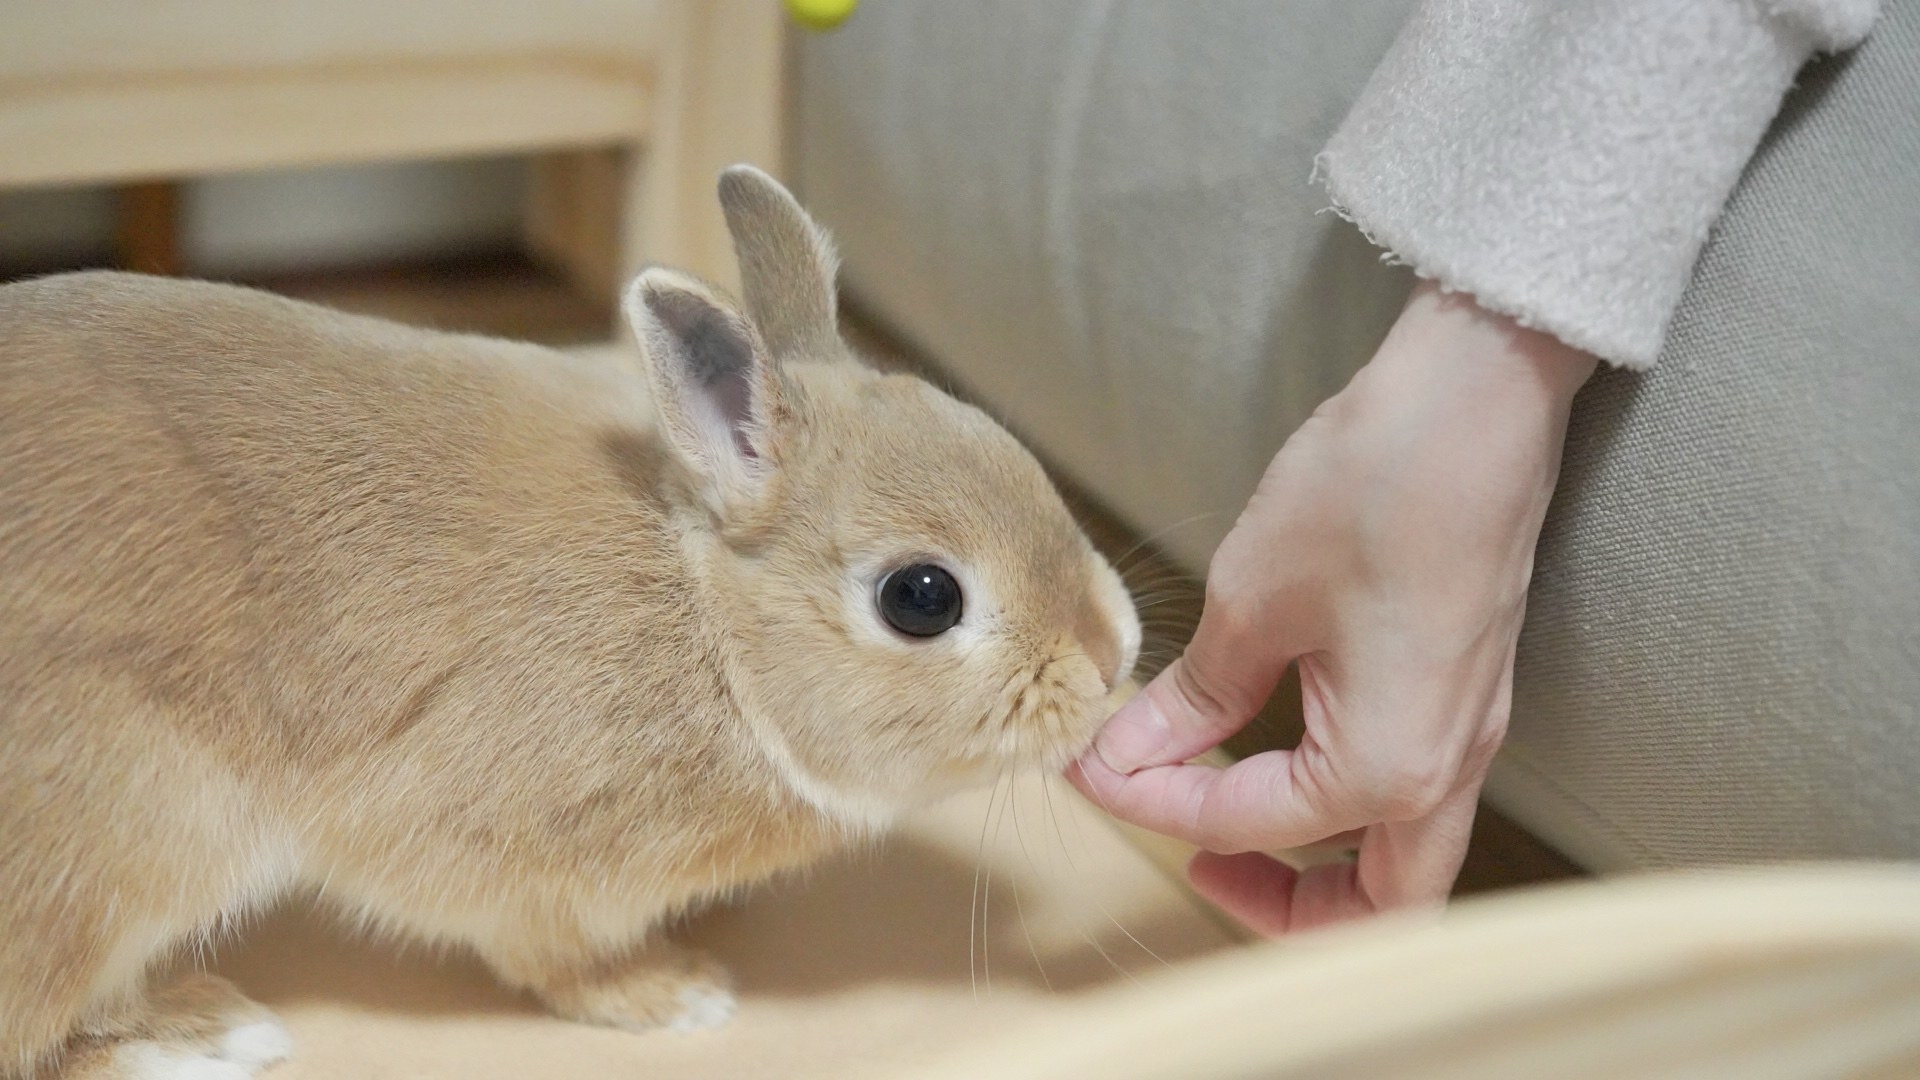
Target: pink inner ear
733, 396
716, 352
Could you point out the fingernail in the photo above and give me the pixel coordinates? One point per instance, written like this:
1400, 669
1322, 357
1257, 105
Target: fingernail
1133, 738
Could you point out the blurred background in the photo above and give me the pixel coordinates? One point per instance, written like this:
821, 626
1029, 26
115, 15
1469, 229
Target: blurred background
475, 164
1096, 219
440, 242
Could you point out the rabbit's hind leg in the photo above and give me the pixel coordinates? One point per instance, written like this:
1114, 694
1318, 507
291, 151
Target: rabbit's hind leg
116, 849
654, 984
200, 1027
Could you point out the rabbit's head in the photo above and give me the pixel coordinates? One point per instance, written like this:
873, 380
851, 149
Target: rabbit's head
911, 607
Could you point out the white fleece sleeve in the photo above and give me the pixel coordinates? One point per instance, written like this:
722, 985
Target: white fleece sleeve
1562, 160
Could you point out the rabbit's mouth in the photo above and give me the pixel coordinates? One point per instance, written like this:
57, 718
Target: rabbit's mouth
1051, 718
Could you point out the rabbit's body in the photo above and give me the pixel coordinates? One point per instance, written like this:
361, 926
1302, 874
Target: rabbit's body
461, 634
273, 606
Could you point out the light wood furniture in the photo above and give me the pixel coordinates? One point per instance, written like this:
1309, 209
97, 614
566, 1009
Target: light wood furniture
634, 105
861, 971
1755, 975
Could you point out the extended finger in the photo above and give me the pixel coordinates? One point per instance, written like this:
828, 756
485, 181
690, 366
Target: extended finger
1254, 805
1401, 865
1414, 863
1271, 898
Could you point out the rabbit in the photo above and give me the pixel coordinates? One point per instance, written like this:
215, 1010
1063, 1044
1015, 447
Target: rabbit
486, 643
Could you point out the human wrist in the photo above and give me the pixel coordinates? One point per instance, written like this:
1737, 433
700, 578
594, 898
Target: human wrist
1447, 356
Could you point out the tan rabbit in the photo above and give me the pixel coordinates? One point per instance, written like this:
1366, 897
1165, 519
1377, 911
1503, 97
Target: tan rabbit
483, 642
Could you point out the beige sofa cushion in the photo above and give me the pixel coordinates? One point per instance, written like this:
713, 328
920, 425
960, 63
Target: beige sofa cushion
1097, 217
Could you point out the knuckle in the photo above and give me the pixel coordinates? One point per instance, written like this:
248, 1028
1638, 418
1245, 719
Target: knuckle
1407, 785
1488, 740
1340, 798
1201, 692
1216, 832
1232, 814
1494, 730
1227, 599
1198, 821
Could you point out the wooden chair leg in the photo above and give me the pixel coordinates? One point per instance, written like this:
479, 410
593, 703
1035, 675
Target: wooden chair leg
147, 234
718, 102
572, 222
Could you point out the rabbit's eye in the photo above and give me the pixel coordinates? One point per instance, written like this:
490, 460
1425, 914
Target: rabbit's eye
921, 600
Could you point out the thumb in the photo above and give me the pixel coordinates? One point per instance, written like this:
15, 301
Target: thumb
1207, 694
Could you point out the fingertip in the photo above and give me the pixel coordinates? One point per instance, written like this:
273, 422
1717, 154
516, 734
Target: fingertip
1090, 776
1076, 774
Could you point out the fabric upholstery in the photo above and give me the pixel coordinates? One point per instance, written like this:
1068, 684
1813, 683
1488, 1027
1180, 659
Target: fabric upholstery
1096, 216
1722, 657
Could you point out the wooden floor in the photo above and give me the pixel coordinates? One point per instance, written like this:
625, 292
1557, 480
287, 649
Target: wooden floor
959, 926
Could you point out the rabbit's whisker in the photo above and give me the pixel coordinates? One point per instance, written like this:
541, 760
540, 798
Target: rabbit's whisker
1019, 908
1116, 922
973, 908
1085, 934
1161, 534
986, 888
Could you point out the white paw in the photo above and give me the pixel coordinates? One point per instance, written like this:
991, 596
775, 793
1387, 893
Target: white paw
141, 1060
256, 1043
245, 1049
703, 1008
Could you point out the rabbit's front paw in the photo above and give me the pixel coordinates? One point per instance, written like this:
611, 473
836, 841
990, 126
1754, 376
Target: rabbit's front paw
661, 986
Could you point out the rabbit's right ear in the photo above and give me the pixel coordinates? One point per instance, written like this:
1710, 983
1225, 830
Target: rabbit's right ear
715, 389
787, 265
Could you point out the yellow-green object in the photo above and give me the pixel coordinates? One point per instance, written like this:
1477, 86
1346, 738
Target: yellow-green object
821, 14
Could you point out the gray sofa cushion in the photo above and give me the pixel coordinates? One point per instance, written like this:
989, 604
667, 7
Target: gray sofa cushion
1097, 217
1722, 655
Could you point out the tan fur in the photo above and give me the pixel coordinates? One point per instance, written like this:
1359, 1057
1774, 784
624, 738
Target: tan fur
467, 637
188, 1018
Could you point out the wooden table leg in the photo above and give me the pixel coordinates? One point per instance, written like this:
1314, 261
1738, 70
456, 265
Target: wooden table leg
147, 234
717, 102
572, 223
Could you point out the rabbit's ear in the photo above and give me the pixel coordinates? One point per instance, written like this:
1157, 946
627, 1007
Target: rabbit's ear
787, 265
714, 386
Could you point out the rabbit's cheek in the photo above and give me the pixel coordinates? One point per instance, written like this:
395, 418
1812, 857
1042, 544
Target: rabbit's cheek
1107, 626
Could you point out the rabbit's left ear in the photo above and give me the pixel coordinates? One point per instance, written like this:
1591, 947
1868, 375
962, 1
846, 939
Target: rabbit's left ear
787, 265
715, 389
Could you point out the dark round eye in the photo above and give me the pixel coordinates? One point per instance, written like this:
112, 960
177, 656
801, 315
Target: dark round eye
920, 600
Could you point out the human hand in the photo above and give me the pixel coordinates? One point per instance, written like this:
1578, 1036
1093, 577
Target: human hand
1386, 552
